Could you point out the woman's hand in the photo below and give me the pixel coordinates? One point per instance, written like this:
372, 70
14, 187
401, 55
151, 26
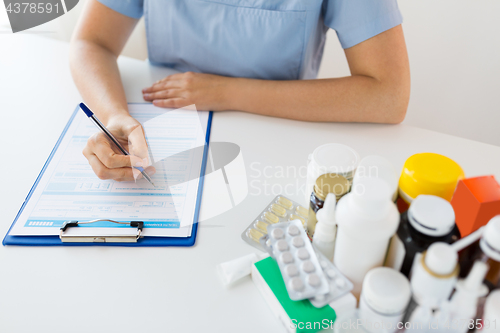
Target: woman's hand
206, 91
108, 162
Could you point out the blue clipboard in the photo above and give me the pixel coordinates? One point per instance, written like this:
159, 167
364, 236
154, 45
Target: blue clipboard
143, 241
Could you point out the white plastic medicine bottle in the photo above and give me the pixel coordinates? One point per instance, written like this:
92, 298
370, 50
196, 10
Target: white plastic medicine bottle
384, 298
434, 275
366, 219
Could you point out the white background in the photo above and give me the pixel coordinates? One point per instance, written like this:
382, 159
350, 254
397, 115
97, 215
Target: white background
450, 42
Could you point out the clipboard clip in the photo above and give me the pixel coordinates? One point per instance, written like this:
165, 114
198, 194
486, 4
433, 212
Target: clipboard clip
74, 238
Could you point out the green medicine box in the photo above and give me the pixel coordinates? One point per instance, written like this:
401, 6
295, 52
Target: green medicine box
296, 316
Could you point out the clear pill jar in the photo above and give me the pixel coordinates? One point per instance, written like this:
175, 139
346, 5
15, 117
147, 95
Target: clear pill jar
330, 158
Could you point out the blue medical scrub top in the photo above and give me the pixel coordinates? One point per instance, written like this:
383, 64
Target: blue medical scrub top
264, 39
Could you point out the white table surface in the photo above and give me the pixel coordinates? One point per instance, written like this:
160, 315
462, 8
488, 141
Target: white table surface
114, 289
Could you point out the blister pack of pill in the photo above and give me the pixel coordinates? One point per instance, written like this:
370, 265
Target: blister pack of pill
338, 284
298, 263
281, 209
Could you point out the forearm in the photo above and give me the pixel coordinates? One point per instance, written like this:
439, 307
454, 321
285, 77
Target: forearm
96, 75
355, 98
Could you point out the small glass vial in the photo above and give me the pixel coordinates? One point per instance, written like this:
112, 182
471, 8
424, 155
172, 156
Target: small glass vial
430, 219
325, 184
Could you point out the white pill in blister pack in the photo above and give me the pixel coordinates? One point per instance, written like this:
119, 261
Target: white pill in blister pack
303, 254
293, 230
313, 280
308, 267
297, 242
338, 284
287, 257
299, 266
278, 233
282, 245
296, 284
291, 270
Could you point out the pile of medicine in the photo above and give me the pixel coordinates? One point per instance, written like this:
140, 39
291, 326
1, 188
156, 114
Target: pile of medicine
414, 251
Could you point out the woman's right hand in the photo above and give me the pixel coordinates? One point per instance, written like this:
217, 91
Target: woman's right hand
108, 162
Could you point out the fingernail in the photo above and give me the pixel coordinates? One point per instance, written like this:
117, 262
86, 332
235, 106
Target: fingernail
139, 164
147, 95
151, 172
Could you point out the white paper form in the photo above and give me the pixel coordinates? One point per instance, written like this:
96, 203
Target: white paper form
69, 189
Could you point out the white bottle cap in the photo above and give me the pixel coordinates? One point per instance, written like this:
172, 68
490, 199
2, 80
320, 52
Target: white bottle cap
372, 195
490, 243
386, 290
374, 166
431, 215
335, 157
441, 259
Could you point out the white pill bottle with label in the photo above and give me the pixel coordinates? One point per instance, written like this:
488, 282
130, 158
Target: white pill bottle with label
367, 219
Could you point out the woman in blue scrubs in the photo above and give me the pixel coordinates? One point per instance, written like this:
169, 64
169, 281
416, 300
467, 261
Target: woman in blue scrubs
258, 56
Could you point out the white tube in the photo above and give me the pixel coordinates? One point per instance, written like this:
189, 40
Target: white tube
234, 270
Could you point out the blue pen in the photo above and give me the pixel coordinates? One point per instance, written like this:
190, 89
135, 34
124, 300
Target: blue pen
110, 136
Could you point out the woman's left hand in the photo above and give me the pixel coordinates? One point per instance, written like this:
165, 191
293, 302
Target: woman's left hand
206, 91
